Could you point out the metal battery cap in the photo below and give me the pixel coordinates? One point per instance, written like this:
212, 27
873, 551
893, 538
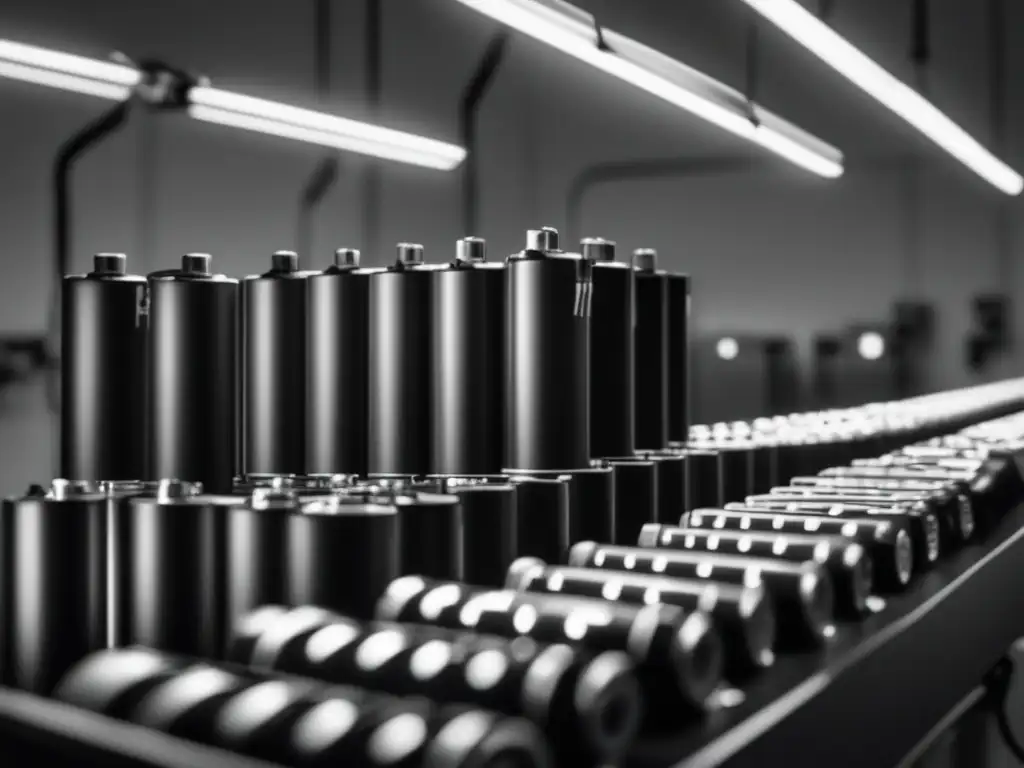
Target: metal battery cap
284, 261
109, 264
196, 263
543, 239
170, 489
597, 249
346, 257
410, 253
645, 260
471, 249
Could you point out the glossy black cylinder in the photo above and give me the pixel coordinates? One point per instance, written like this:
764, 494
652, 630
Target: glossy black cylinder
678, 357
542, 511
736, 471
336, 371
705, 476
341, 556
612, 431
103, 374
744, 615
257, 550
547, 350
651, 360
490, 534
174, 573
57, 584
274, 370
636, 497
192, 378
400, 375
468, 387
592, 503
431, 535
677, 653
801, 592
671, 485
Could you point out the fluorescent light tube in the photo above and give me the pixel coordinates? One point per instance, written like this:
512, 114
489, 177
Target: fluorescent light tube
116, 81
573, 31
226, 108
821, 40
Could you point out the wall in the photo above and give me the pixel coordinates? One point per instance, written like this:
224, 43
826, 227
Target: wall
775, 250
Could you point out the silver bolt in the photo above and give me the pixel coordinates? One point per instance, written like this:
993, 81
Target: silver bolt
346, 257
284, 261
196, 263
109, 264
410, 253
471, 249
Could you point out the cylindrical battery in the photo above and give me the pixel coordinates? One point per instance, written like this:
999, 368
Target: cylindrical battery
103, 373
705, 475
113, 682
274, 368
677, 653
671, 486
886, 540
678, 357
542, 512
174, 574
636, 496
922, 524
548, 299
611, 351
490, 531
192, 402
846, 561
56, 581
257, 550
765, 454
801, 592
431, 534
592, 507
342, 553
468, 387
744, 615
736, 471
401, 314
337, 316
588, 704
651, 352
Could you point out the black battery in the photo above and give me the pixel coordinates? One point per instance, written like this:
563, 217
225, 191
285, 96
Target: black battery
257, 552
847, 562
677, 653
589, 705
548, 300
592, 506
113, 682
671, 466
801, 592
55, 582
542, 512
636, 496
490, 526
104, 322
612, 323
337, 318
922, 523
342, 553
174, 570
651, 351
736, 470
704, 472
432, 534
765, 453
679, 403
399, 399
274, 368
744, 615
468, 387
192, 375
887, 540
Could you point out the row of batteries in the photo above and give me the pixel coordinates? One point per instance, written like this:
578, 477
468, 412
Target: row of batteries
540, 362
434, 613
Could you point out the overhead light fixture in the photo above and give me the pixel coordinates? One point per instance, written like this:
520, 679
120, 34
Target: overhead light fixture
118, 82
575, 32
821, 40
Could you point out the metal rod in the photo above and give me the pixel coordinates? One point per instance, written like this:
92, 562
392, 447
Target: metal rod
469, 107
323, 177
